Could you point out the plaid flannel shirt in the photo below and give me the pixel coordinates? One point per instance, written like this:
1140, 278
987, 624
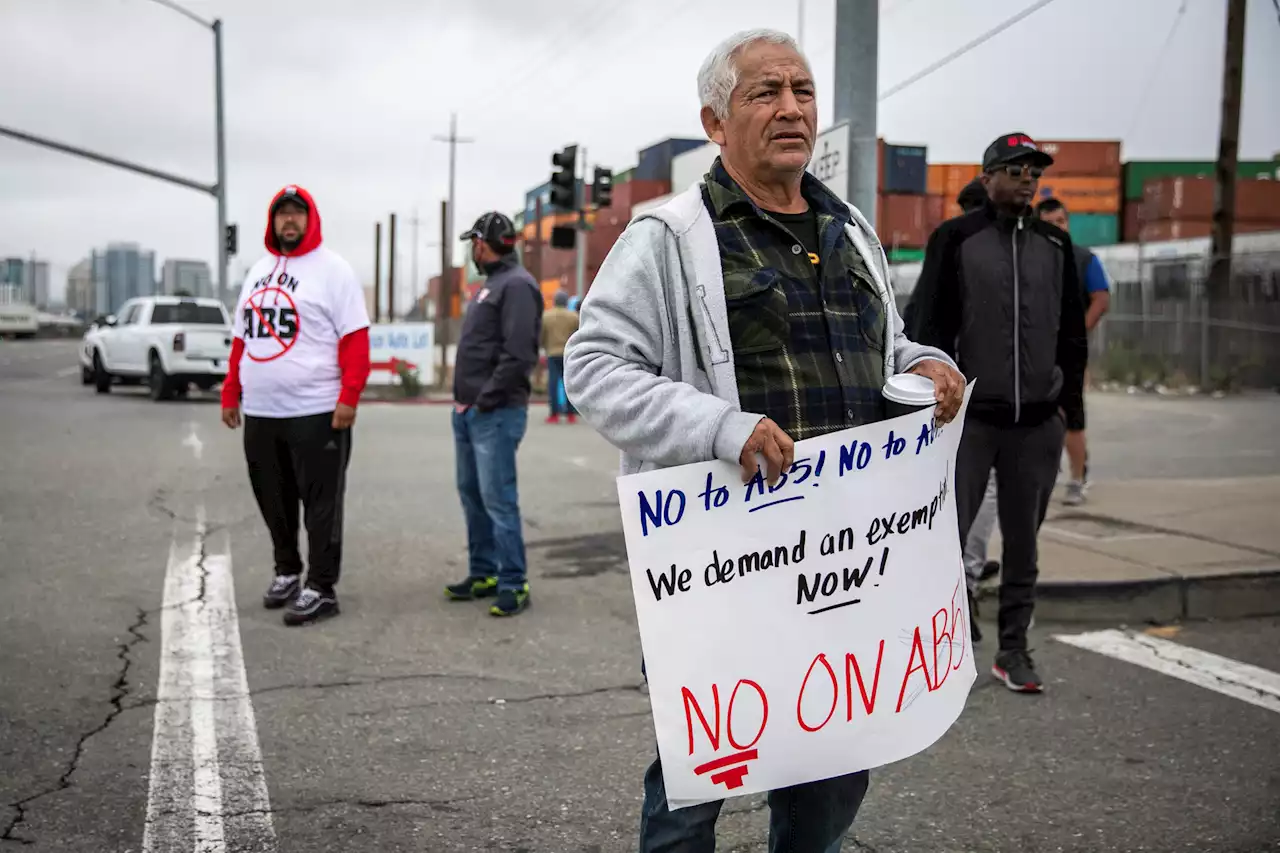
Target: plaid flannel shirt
808, 340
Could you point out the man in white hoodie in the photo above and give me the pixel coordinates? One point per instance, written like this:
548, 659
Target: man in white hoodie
749, 312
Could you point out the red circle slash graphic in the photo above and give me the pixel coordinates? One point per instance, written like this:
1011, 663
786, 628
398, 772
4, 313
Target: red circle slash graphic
256, 303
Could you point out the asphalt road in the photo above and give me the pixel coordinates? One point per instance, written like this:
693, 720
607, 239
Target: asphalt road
410, 723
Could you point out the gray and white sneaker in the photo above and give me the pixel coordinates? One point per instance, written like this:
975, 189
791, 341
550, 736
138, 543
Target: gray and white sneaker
1075, 493
282, 590
311, 605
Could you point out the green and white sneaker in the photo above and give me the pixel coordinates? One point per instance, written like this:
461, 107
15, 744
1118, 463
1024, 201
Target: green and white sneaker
510, 602
472, 588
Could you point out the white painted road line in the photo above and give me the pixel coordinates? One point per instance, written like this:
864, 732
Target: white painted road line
1241, 681
207, 790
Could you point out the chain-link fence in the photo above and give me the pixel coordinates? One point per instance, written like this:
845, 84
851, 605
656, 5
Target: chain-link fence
1162, 330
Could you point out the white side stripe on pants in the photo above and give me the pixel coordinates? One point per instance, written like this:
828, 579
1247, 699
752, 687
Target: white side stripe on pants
1241, 681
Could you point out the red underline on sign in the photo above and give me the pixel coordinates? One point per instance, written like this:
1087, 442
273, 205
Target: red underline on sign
749, 755
775, 503
834, 606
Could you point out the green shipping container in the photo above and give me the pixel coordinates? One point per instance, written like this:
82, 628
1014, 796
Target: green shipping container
1138, 172
905, 256
1094, 229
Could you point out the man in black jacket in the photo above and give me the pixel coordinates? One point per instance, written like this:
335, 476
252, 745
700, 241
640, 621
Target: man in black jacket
1000, 292
497, 352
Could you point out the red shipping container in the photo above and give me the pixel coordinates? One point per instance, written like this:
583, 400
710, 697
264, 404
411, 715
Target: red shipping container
935, 212
1131, 225
630, 193
1192, 198
902, 221
1083, 158
1186, 229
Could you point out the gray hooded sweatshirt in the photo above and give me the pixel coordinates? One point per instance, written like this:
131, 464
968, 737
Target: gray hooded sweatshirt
651, 365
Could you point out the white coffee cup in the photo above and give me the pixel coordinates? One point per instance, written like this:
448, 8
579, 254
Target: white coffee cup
905, 393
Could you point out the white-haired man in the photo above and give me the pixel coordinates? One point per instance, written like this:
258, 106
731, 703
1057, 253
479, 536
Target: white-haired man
748, 312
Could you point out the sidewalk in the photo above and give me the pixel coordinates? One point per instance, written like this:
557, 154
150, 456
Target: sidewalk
1161, 550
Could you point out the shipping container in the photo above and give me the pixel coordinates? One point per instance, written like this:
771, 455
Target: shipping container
655, 161
904, 169
1082, 194
1094, 229
1138, 172
905, 256
688, 167
935, 211
1083, 158
902, 220
633, 192
1185, 229
1132, 230
948, 179
1192, 198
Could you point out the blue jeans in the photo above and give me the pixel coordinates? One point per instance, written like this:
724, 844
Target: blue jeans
485, 446
808, 818
556, 396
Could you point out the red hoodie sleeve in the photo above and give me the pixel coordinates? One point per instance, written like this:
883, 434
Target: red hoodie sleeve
231, 385
353, 359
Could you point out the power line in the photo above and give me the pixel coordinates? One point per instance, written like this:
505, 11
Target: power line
953, 56
1155, 68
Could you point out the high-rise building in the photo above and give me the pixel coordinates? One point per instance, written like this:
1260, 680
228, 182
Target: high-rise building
82, 294
123, 272
37, 283
13, 275
192, 278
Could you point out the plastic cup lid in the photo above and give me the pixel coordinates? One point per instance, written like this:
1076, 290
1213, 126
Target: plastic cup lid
910, 389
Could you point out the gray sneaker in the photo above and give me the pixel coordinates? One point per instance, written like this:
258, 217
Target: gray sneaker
1075, 493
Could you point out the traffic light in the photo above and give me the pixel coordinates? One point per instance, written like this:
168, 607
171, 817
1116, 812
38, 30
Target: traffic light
602, 187
232, 242
564, 183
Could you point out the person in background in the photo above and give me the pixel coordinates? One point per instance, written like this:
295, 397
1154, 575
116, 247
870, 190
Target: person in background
558, 325
977, 567
302, 323
1097, 300
798, 313
497, 352
999, 288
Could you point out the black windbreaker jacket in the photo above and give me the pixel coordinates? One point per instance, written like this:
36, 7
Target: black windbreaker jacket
1001, 295
498, 348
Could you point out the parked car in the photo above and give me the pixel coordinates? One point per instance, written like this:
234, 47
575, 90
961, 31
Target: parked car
169, 342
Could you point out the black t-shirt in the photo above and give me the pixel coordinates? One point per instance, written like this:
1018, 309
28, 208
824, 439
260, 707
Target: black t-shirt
804, 227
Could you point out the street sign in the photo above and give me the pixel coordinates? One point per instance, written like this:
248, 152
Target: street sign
394, 344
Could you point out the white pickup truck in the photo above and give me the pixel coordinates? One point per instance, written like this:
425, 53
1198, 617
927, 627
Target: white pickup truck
170, 342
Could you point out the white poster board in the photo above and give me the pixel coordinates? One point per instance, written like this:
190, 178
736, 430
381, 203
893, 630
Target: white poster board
394, 343
808, 630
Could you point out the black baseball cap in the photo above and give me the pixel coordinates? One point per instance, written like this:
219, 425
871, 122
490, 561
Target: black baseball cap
494, 228
1014, 148
290, 194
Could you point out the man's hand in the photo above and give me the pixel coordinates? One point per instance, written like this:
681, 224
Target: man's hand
344, 416
231, 417
778, 449
948, 387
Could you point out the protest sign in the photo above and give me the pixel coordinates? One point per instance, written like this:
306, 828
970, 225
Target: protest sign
808, 629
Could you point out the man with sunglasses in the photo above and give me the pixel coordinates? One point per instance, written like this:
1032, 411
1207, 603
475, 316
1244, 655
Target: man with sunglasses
1000, 292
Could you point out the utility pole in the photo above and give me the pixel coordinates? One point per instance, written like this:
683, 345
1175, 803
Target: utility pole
580, 262
453, 139
221, 133
857, 43
444, 300
391, 273
377, 272
538, 243
413, 283
800, 25
1224, 195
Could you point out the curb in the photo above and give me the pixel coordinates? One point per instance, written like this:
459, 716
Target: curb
1236, 595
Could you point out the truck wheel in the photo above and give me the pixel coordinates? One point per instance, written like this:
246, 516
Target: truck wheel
160, 384
101, 379
86, 375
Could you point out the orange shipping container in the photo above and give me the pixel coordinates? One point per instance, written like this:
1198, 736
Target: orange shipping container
947, 179
902, 221
1192, 198
1080, 158
1186, 229
1082, 195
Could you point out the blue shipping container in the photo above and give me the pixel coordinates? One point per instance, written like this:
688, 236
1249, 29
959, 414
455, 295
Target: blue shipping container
905, 170
1094, 229
655, 161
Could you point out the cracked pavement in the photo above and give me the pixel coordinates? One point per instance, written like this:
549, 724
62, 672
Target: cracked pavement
414, 724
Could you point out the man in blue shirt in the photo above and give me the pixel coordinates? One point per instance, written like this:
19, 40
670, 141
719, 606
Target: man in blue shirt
1097, 299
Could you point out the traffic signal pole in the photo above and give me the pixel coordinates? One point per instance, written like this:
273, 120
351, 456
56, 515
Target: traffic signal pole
581, 242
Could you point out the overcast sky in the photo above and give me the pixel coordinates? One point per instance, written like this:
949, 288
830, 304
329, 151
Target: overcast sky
344, 97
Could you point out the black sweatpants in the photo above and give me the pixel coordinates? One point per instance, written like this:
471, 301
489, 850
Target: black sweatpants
1026, 461
303, 461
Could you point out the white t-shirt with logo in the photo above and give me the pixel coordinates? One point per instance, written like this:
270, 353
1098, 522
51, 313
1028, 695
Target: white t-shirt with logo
291, 314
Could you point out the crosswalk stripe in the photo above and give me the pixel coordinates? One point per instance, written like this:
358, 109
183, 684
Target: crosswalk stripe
1242, 681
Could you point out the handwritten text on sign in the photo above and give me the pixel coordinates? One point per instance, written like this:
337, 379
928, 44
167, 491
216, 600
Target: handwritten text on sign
803, 630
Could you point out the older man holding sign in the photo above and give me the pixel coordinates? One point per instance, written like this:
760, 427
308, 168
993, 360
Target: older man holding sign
750, 313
